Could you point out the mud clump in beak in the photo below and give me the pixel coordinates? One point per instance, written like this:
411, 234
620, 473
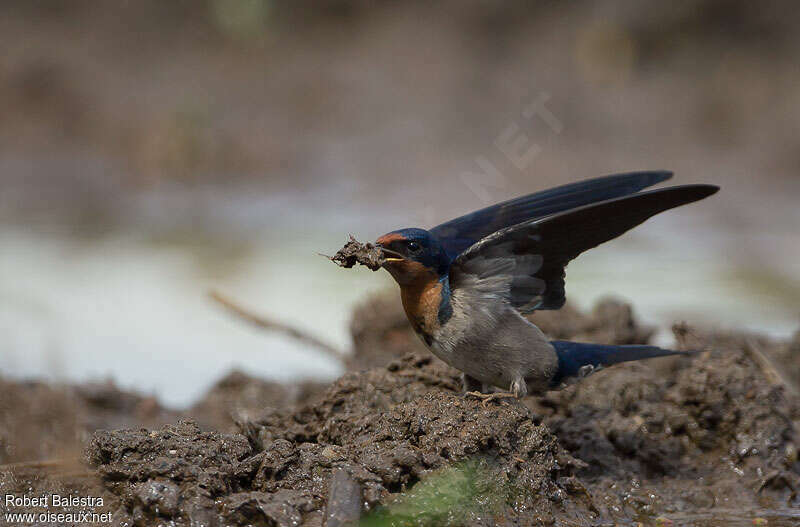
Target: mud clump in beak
353, 252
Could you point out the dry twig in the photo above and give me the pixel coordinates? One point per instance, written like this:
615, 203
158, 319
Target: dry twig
767, 366
273, 325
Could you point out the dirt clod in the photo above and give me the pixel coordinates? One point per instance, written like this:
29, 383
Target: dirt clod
355, 252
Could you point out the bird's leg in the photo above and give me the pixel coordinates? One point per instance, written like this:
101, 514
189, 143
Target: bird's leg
519, 388
489, 397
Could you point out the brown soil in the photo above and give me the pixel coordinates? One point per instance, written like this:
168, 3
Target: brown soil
698, 440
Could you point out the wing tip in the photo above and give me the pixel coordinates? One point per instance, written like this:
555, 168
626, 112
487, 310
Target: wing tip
710, 189
697, 191
653, 177
692, 190
657, 176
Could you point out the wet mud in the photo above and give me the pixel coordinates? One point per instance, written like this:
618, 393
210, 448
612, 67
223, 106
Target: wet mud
703, 440
355, 252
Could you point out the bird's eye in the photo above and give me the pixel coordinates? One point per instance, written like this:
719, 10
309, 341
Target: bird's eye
413, 247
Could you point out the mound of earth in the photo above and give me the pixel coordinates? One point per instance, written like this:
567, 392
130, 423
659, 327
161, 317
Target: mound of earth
237, 396
701, 439
375, 433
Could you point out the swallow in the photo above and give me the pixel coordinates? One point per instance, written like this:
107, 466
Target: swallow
466, 284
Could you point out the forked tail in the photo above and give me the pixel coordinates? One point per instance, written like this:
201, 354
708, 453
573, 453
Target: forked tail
576, 359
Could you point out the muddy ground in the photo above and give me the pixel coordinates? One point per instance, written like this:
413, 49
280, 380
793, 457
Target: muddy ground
706, 440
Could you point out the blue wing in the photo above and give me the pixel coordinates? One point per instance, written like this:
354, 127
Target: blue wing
458, 234
525, 264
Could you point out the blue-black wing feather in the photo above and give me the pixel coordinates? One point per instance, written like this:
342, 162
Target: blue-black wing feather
525, 263
458, 234
574, 356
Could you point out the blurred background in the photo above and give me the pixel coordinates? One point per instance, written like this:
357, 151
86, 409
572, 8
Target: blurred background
151, 151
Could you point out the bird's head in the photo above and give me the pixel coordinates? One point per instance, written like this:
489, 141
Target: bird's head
413, 254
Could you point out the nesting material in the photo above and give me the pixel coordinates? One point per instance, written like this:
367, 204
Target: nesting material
355, 252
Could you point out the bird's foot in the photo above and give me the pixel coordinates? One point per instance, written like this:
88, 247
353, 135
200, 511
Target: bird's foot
489, 397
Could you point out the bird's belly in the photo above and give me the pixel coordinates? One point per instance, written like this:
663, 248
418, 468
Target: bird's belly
480, 362
499, 353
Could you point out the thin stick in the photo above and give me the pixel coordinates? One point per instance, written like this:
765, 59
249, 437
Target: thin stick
773, 376
765, 363
272, 325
